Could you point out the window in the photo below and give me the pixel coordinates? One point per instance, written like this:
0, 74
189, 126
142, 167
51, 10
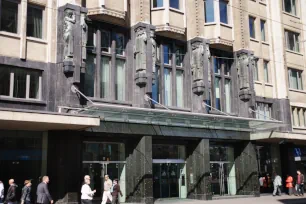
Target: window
91, 42
9, 16
209, 11
34, 21
20, 83
290, 6
168, 87
292, 41
223, 11
263, 30
256, 74
119, 44
263, 111
105, 41
298, 116
104, 76
157, 3
89, 78
179, 88
120, 80
295, 79
179, 56
252, 27
167, 54
155, 86
266, 71
175, 4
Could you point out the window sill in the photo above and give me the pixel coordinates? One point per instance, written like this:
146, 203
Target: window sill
158, 9
268, 84
258, 82
265, 43
38, 40
210, 24
294, 52
226, 25
157, 106
292, 15
254, 40
298, 128
22, 100
176, 10
102, 100
214, 112
296, 90
263, 2
8, 34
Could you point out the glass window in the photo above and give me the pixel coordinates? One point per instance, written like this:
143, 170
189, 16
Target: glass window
89, 82
120, 80
168, 87
20, 83
119, 44
263, 111
106, 42
167, 54
161, 151
266, 71
34, 22
295, 79
209, 11
252, 26
157, 3
223, 11
227, 95
179, 56
218, 92
94, 151
91, 42
263, 30
105, 76
290, 6
5, 75
155, 86
180, 88
34, 84
9, 16
292, 41
175, 4
255, 74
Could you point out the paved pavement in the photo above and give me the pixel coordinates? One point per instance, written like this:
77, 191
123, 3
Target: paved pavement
253, 200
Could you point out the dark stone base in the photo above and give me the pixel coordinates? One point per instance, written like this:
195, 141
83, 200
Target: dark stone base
68, 67
134, 199
141, 78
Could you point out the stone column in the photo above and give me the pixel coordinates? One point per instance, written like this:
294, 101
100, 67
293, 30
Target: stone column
139, 181
198, 170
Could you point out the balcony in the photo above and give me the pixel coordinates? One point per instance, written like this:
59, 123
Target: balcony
169, 17
107, 10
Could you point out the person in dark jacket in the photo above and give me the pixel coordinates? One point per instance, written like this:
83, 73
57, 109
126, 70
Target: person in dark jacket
26, 192
11, 193
300, 183
115, 192
43, 195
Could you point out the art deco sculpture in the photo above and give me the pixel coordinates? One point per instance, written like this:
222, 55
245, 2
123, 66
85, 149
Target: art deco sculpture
84, 36
69, 22
153, 42
140, 55
197, 66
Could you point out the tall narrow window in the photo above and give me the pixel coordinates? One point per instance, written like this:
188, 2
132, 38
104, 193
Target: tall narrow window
218, 93
290, 6
91, 42
252, 26
223, 11
255, 73
266, 71
168, 87
175, 4
295, 79
20, 83
9, 16
157, 3
227, 86
263, 30
119, 44
263, 111
120, 80
179, 56
105, 76
34, 84
89, 82
179, 88
167, 54
155, 86
106, 42
292, 41
5, 76
34, 21
209, 11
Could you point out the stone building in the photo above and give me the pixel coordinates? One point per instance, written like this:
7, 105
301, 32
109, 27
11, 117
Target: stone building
175, 98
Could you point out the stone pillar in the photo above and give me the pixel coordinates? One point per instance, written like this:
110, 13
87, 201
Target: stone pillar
246, 169
198, 170
282, 112
144, 58
245, 61
139, 181
199, 65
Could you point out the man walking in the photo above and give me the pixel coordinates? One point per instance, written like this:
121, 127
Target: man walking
107, 187
300, 183
43, 195
26, 192
115, 192
1, 192
277, 183
11, 193
87, 193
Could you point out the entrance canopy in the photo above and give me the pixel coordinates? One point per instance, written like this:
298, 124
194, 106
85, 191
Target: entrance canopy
125, 114
43, 121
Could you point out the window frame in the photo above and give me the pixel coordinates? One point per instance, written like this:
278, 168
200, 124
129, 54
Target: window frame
179, 4
299, 78
298, 113
296, 39
213, 11
157, 7
253, 33
266, 71
263, 105
30, 5
263, 31
227, 12
256, 72
296, 10
18, 16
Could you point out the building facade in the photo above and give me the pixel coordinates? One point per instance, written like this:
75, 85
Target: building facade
175, 98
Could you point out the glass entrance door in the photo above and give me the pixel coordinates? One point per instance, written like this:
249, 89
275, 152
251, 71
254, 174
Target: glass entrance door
223, 179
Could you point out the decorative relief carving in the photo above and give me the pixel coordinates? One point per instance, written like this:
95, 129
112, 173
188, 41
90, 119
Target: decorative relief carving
154, 56
84, 28
69, 23
197, 66
140, 55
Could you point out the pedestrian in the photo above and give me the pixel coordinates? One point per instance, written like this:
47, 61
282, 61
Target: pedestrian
87, 193
43, 195
300, 183
1, 192
11, 193
289, 185
277, 183
107, 187
115, 192
26, 192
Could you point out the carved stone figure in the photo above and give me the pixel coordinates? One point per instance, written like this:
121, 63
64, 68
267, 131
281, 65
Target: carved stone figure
154, 57
197, 61
244, 76
69, 22
140, 55
84, 35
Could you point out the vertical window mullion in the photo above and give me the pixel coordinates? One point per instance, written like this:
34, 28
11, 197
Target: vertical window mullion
213, 89
97, 90
12, 84
173, 84
28, 78
223, 99
162, 77
40, 88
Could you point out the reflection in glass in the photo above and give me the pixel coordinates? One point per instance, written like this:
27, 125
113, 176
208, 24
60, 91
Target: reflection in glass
20, 83
161, 151
179, 88
105, 41
95, 151
5, 73
34, 22
209, 11
227, 95
168, 87
90, 76
223, 11
34, 84
218, 93
9, 16
120, 80
155, 86
157, 3
167, 54
105, 76
119, 44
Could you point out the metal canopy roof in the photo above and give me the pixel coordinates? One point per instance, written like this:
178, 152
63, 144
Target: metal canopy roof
125, 114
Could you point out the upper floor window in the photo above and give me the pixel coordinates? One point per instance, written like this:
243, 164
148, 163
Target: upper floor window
174, 4
290, 6
209, 11
223, 11
252, 27
167, 54
157, 3
266, 71
256, 73
292, 41
20, 83
34, 21
263, 30
295, 79
9, 16
298, 116
263, 111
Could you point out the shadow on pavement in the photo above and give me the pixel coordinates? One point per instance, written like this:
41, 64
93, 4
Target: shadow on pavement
293, 201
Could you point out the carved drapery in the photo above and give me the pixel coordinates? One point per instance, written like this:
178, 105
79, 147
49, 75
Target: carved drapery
84, 36
197, 66
140, 55
69, 23
154, 56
